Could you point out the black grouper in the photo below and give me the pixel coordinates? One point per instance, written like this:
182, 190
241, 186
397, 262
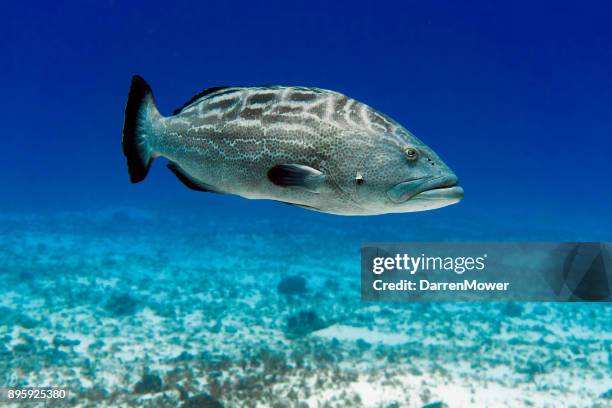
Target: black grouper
309, 147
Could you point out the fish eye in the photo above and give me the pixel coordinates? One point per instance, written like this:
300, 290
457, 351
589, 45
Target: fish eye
411, 153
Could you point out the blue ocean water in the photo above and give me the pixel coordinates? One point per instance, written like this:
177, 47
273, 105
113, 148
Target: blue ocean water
155, 279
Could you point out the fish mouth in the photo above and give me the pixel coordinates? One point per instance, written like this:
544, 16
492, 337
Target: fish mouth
438, 188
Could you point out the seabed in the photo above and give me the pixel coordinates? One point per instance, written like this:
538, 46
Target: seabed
134, 308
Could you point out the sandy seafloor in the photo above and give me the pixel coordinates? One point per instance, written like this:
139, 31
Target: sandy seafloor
135, 308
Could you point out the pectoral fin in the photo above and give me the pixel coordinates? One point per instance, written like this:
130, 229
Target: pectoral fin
189, 181
296, 175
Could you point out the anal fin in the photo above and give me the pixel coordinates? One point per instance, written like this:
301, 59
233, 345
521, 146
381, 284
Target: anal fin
188, 181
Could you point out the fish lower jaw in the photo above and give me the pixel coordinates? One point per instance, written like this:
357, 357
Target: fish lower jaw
430, 200
443, 193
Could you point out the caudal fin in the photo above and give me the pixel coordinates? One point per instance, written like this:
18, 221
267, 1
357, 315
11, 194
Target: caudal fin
139, 129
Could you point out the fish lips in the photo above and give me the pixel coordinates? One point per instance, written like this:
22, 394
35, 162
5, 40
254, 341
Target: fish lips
438, 188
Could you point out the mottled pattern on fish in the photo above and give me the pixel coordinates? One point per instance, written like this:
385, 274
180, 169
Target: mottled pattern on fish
270, 105
273, 112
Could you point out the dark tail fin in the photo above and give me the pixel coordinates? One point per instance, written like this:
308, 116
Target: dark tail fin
139, 129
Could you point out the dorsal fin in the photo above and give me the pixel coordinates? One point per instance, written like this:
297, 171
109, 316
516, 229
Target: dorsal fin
200, 95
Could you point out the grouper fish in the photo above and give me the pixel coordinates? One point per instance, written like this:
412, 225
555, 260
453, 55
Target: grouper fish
309, 147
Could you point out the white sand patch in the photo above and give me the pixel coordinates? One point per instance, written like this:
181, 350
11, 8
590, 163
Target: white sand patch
252, 300
84, 341
351, 333
495, 395
107, 283
82, 280
109, 379
193, 320
149, 317
10, 299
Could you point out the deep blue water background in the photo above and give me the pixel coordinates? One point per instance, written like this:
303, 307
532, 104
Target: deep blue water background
515, 96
